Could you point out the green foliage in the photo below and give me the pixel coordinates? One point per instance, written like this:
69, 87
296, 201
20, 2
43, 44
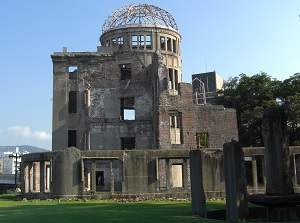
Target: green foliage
251, 95
290, 101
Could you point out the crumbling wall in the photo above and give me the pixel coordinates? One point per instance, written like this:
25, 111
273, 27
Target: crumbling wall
213, 173
219, 122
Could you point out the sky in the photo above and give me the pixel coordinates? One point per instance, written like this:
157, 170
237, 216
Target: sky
228, 36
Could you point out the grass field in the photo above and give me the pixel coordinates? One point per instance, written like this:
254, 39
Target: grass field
98, 211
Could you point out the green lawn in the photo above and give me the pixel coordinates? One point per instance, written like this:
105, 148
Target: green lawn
94, 211
98, 211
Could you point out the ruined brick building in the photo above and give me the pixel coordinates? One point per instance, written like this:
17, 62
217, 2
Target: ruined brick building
123, 120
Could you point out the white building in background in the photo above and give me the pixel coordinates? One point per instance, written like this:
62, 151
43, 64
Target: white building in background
10, 161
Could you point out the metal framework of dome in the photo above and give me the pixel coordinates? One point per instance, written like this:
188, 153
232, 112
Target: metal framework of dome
139, 14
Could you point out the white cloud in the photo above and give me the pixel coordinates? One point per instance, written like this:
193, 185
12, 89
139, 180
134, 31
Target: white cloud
26, 132
42, 135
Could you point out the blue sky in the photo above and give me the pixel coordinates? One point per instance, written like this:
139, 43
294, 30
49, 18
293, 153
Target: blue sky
231, 37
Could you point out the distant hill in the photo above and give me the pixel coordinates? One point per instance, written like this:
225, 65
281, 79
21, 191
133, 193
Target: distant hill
22, 148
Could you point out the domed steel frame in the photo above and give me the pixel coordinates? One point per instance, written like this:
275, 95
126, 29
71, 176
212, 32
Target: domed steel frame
139, 14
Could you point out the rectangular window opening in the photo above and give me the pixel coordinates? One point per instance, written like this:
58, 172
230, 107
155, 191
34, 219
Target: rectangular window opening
72, 72
114, 41
127, 109
148, 42
171, 81
176, 79
120, 40
99, 178
260, 170
297, 164
162, 43
249, 178
125, 71
134, 42
141, 42
177, 176
174, 46
169, 44
202, 139
72, 138
128, 143
176, 135
72, 102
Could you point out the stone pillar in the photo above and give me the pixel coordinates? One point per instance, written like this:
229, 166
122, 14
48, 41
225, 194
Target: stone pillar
168, 175
30, 176
264, 172
279, 177
294, 170
25, 175
42, 176
254, 174
197, 191
93, 176
112, 178
279, 166
185, 173
235, 182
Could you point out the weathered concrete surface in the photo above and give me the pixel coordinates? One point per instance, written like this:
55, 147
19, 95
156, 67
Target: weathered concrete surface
197, 191
235, 181
279, 166
67, 173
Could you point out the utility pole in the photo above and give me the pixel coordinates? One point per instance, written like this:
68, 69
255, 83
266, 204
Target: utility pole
16, 165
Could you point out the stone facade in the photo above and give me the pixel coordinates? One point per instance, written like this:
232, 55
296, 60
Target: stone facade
130, 117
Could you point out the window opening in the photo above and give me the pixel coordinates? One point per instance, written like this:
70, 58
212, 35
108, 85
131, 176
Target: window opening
202, 139
107, 43
72, 72
174, 46
173, 81
125, 71
177, 176
127, 109
128, 143
134, 42
114, 41
72, 102
297, 164
176, 79
260, 170
175, 127
171, 84
120, 40
162, 43
148, 42
141, 42
48, 177
99, 179
169, 44
72, 138
248, 166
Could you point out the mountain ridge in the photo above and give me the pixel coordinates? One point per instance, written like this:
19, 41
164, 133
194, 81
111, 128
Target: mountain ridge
22, 148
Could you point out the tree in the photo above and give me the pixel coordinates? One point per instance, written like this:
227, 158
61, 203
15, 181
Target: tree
289, 98
249, 96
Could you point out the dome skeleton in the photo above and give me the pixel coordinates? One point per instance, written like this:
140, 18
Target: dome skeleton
139, 14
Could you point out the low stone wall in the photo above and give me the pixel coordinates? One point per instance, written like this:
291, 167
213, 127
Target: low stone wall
145, 173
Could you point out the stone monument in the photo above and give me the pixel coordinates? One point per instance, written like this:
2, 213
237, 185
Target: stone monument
279, 199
